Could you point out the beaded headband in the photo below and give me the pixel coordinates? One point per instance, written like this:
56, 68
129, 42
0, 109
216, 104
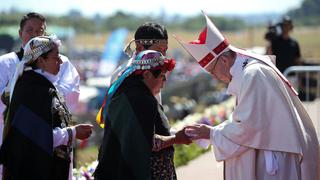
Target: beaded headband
147, 42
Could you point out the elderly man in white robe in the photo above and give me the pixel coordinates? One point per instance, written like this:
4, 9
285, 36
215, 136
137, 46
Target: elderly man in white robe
269, 135
67, 81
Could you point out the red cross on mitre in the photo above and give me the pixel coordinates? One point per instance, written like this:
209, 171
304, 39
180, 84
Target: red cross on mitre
208, 46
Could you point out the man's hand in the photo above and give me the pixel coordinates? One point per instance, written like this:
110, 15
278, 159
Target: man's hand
83, 131
198, 131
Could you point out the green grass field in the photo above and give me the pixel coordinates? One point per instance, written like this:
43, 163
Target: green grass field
86, 155
308, 38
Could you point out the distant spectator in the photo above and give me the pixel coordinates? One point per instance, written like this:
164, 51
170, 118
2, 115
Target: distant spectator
285, 48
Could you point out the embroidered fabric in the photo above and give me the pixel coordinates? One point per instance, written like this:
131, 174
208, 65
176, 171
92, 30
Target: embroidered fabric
162, 165
144, 60
130, 52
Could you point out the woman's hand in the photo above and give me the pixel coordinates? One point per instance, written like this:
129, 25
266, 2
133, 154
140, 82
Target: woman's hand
182, 138
83, 131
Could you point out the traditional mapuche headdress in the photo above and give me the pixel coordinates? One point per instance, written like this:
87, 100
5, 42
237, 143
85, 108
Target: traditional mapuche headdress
32, 51
211, 44
145, 60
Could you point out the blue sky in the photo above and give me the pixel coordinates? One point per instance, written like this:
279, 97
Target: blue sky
144, 7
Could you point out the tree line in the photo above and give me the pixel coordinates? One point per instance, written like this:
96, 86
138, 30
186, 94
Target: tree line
98, 23
307, 14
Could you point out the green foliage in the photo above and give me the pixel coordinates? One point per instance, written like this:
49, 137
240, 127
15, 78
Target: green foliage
86, 155
120, 19
308, 14
196, 23
185, 153
308, 21
310, 7
10, 18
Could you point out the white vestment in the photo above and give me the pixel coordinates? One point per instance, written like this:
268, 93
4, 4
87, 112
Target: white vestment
269, 136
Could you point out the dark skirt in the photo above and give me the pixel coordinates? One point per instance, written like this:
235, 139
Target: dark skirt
162, 165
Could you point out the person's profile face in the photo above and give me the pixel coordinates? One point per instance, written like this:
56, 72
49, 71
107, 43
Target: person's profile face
155, 84
32, 28
221, 69
52, 62
160, 47
287, 26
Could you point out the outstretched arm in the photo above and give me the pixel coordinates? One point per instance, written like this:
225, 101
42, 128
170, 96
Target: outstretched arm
198, 131
223, 148
161, 142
